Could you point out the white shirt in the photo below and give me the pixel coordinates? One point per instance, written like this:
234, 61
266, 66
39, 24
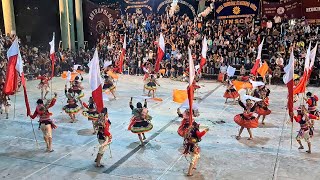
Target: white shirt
277, 19
269, 24
223, 69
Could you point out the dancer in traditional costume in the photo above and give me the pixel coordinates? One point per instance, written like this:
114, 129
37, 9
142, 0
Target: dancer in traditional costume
231, 93
305, 132
4, 103
246, 119
44, 85
191, 146
262, 106
312, 101
151, 85
72, 107
108, 85
104, 136
45, 122
77, 88
91, 113
184, 125
140, 123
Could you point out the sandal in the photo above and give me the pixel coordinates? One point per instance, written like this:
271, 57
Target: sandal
308, 152
238, 137
301, 147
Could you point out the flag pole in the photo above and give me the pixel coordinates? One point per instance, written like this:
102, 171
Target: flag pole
52, 69
291, 135
34, 134
14, 105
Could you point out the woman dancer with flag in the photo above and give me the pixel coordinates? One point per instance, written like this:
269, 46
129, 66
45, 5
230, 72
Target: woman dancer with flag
312, 101
72, 107
77, 88
44, 85
151, 85
231, 93
140, 122
246, 119
305, 132
104, 136
262, 106
91, 113
45, 122
108, 85
191, 139
184, 125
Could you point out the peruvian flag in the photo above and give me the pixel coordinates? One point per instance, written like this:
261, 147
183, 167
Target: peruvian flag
190, 88
312, 56
301, 87
95, 81
204, 50
14, 70
258, 63
52, 55
123, 54
160, 53
288, 80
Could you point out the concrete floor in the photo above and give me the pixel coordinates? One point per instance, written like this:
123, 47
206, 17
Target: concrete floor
267, 156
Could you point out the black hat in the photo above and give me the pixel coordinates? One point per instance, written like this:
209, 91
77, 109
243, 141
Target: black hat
39, 101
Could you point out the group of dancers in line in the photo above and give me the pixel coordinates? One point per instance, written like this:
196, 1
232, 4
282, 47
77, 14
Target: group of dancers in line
140, 123
305, 116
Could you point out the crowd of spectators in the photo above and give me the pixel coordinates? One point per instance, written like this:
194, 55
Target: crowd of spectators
228, 44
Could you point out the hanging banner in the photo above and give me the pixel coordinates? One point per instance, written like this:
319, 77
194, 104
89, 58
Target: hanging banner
234, 12
311, 10
188, 7
98, 18
291, 8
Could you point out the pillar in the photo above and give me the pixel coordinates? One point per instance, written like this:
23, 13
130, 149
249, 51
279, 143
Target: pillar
70, 20
79, 23
8, 17
63, 24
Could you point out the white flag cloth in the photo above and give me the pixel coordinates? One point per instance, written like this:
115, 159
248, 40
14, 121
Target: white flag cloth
245, 97
191, 68
75, 67
185, 105
107, 64
230, 71
307, 59
256, 83
313, 56
95, 81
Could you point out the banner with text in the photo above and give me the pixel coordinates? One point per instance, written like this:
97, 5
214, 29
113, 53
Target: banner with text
311, 10
97, 18
234, 12
291, 8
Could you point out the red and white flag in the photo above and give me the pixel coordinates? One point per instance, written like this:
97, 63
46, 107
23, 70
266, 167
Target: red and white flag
95, 81
258, 63
52, 55
204, 50
288, 80
14, 70
160, 53
190, 88
123, 54
312, 57
301, 87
